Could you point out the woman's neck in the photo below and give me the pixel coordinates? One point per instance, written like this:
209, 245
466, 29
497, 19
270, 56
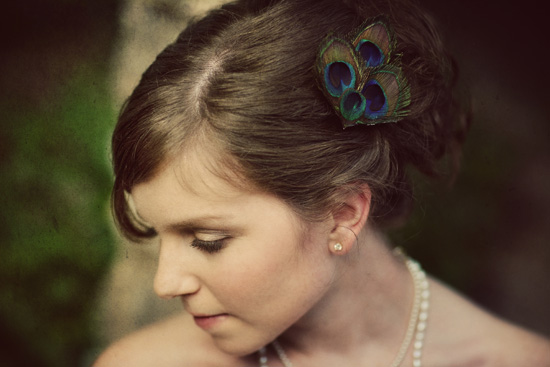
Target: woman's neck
366, 311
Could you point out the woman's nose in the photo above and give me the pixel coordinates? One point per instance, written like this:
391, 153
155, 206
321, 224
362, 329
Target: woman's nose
174, 278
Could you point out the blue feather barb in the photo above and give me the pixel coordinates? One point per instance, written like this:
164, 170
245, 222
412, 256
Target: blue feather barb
361, 77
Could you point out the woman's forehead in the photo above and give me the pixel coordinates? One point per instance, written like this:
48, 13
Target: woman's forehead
190, 193
203, 169
184, 188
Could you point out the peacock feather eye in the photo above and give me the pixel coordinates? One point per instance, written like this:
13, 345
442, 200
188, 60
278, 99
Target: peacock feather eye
376, 102
375, 42
352, 105
393, 89
338, 64
371, 53
339, 76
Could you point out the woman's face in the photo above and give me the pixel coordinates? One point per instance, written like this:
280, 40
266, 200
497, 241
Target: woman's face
244, 264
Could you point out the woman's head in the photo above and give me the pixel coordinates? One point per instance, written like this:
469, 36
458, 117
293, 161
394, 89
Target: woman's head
242, 262
239, 86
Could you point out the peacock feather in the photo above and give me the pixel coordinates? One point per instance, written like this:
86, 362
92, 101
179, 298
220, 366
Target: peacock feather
361, 77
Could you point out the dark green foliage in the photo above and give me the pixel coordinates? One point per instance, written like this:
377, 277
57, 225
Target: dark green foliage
56, 237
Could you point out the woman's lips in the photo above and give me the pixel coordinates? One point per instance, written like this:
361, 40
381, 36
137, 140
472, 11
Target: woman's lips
208, 322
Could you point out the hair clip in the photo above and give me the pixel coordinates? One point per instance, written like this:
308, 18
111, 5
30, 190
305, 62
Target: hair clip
361, 78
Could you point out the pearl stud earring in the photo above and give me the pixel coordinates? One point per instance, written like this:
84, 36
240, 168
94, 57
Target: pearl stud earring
338, 246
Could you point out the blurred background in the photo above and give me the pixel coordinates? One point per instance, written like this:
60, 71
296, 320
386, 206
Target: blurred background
69, 285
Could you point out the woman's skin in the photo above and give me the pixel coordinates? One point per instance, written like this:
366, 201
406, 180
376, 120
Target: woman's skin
245, 259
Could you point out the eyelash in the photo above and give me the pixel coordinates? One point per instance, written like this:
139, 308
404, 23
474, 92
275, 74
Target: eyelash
210, 247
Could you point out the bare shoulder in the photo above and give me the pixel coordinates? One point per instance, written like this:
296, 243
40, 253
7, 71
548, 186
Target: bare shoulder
517, 347
175, 341
463, 334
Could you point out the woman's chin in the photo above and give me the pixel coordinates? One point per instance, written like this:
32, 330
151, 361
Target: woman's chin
238, 347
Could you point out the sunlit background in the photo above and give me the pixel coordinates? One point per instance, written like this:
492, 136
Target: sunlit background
61, 64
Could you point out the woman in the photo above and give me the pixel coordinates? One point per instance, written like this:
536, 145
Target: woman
267, 150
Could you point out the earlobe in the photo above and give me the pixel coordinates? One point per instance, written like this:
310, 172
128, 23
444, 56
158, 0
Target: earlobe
344, 243
349, 219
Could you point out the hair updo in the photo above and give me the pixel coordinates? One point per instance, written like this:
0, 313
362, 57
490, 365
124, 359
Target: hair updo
242, 79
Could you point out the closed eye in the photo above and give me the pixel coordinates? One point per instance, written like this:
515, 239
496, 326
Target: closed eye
210, 247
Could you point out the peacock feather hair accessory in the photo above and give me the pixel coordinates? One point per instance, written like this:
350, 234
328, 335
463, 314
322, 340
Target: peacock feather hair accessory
361, 76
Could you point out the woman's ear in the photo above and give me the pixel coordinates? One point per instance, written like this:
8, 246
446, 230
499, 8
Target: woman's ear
349, 219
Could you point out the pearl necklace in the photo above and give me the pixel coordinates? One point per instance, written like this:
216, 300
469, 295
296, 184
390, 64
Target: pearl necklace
417, 322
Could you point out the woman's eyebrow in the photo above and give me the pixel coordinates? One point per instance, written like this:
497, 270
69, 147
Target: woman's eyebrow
202, 223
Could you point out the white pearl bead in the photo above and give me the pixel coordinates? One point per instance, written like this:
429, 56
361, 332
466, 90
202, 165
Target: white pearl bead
421, 326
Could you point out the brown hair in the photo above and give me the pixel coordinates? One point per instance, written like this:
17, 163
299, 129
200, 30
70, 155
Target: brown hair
242, 79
